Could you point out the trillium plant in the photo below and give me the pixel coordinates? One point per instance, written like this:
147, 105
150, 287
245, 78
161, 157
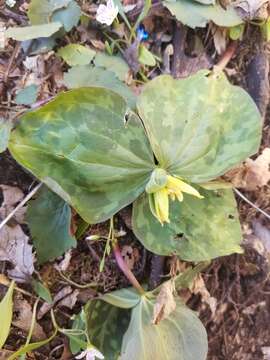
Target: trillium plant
166, 157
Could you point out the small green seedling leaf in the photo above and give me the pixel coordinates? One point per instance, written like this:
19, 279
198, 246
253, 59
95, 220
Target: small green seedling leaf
76, 54
27, 96
42, 291
195, 14
33, 32
236, 32
146, 57
27, 348
88, 76
6, 310
5, 129
266, 29
49, 218
113, 63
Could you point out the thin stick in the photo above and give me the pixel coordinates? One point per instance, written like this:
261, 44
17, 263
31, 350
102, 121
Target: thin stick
21, 204
251, 203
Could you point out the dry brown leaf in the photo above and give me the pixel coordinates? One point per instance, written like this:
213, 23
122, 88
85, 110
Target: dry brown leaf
263, 233
129, 256
253, 174
198, 287
23, 319
219, 37
165, 303
65, 291
14, 247
70, 300
252, 9
11, 196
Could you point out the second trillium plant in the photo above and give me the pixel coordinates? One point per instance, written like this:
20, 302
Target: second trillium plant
89, 148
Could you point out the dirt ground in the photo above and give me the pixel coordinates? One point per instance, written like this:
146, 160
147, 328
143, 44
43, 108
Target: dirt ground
238, 319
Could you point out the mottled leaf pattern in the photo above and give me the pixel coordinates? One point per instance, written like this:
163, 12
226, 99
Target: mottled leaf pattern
106, 326
199, 229
201, 126
180, 336
82, 148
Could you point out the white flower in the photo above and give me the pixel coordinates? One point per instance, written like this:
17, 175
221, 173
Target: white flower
107, 13
90, 354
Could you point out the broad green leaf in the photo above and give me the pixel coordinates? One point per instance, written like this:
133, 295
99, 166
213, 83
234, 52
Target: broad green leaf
199, 229
81, 146
146, 57
33, 346
76, 343
40, 11
49, 218
194, 14
42, 291
113, 63
6, 310
106, 326
76, 54
201, 126
33, 32
5, 128
27, 96
69, 16
124, 298
206, 2
87, 76
180, 336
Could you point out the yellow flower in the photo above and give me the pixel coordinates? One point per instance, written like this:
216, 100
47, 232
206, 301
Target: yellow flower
173, 188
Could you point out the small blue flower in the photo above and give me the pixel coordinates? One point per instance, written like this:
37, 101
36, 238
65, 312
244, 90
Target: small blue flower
142, 34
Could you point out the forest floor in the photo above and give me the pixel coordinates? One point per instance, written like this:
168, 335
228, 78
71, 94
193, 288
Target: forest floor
232, 297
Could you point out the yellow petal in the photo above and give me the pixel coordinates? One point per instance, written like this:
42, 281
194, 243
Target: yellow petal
177, 185
161, 200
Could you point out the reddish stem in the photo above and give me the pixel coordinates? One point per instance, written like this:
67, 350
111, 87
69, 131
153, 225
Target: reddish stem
125, 269
226, 56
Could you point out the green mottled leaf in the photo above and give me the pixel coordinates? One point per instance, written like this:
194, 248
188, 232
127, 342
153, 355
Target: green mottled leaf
49, 219
87, 76
201, 126
6, 310
81, 147
199, 229
146, 57
106, 327
40, 11
113, 63
27, 96
180, 336
76, 54
76, 343
33, 32
195, 14
42, 291
5, 128
124, 298
69, 16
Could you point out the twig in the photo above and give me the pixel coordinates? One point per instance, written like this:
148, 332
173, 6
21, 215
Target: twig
11, 60
21, 204
251, 203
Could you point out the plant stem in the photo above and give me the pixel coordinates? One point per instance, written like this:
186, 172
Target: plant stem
125, 269
226, 57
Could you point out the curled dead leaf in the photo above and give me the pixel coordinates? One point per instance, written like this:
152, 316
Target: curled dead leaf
165, 303
198, 287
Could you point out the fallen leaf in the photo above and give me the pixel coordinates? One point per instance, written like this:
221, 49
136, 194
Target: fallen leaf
65, 291
266, 352
263, 233
70, 300
14, 247
165, 303
198, 287
252, 9
11, 197
24, 318
128, 255
253, 174
64, 264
